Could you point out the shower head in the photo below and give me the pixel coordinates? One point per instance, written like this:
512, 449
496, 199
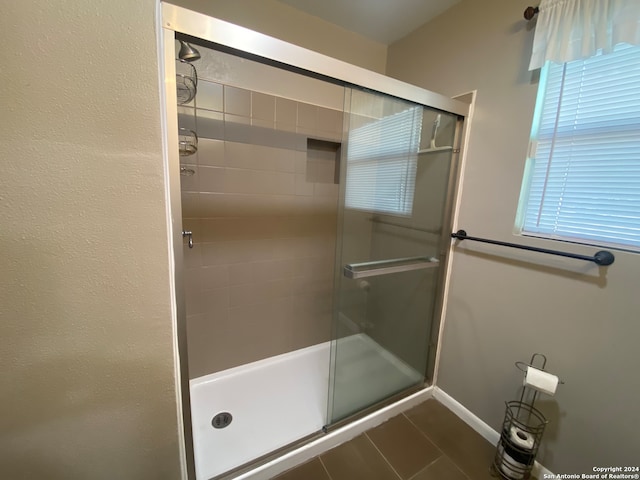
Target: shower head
187, 52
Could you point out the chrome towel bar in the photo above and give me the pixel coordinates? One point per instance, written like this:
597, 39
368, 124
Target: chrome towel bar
386, 267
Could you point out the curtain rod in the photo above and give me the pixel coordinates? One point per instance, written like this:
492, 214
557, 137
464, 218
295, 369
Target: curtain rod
531, 12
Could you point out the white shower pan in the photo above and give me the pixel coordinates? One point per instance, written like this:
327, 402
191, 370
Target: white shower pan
276, 401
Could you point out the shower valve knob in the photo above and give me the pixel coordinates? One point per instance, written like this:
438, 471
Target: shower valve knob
190, 235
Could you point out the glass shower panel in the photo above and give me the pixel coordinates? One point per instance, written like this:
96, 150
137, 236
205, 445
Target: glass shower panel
395, 171
260, 196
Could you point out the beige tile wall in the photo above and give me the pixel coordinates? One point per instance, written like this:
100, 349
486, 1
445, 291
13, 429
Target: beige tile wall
263, 213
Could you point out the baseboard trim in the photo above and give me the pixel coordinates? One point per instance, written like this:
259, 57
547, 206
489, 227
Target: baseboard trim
333, 439
480, 426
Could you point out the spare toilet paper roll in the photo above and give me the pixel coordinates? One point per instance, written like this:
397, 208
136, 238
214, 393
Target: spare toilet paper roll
541, 381
509, 466
521, 438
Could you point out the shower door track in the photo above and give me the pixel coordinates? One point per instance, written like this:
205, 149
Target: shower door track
262, 48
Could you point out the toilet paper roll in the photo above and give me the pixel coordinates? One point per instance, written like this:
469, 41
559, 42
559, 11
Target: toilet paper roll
520, 455
520, 438
542, 381
510, 467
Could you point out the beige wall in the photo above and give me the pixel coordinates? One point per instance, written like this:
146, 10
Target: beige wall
88, 388
294, 26
504, 305
262, 206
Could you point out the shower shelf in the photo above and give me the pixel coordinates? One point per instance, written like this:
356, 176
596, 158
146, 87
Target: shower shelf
386, 267
434, 149
188, 142
186, 81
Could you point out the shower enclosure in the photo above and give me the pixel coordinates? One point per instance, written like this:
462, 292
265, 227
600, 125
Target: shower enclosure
310, 209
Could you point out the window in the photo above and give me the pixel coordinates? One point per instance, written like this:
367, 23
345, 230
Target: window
382, 161
582, 181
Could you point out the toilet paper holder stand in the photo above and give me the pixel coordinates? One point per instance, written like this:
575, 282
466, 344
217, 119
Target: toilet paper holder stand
541, 360
522, 430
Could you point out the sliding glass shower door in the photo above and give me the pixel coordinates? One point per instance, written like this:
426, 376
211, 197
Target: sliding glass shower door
395, 165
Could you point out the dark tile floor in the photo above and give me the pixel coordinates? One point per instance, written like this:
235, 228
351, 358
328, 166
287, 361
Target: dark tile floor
428, 442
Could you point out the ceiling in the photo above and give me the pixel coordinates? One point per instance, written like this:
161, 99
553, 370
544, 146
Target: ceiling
382, 20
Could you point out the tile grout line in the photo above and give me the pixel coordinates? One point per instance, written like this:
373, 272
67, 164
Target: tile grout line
426, 466
438, 447
444, 455
458, 468
429, 439
382, 455
424, 434
324, 467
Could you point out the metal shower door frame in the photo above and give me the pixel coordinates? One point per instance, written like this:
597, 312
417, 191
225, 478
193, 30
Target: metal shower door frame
252, 45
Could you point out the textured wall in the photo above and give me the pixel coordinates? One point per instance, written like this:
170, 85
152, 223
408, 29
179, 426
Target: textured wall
88, 387
294, 26
504, 305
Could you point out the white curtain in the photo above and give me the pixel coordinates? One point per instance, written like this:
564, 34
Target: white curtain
569, 30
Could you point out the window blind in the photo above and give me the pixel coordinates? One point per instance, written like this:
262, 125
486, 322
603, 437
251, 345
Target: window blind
583, 180
382, 161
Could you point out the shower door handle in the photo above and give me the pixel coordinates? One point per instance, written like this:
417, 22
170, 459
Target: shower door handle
386, 267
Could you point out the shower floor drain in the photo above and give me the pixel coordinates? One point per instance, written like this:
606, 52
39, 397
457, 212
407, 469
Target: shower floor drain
222, 420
